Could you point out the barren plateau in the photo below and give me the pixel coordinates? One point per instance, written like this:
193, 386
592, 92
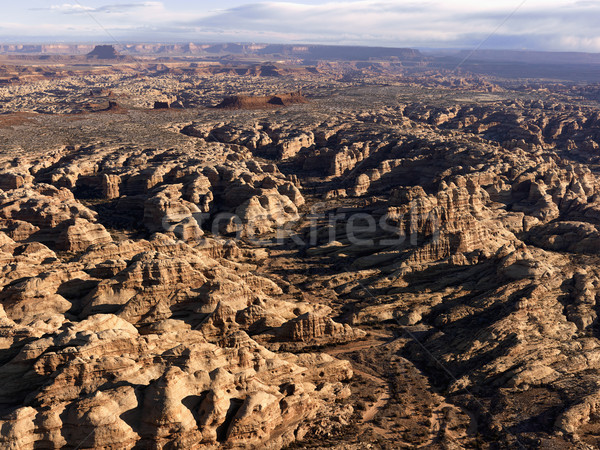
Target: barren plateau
346, 254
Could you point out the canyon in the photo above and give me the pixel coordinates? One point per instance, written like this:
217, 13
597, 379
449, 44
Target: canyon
257, 254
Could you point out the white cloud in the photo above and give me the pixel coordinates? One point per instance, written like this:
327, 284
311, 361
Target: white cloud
409, 23
132, 8
69, 8
118, 8
538, 24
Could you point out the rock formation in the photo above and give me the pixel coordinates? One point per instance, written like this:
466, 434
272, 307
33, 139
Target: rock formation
103, 52
254, 102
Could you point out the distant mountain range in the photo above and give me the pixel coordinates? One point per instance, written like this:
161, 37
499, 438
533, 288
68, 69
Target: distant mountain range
329, 52
509, 64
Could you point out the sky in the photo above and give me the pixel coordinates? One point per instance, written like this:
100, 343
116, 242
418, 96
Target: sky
506, 24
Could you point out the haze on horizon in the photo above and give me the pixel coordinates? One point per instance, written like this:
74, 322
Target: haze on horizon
534, 25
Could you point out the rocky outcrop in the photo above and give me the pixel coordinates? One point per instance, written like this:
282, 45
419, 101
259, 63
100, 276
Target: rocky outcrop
251, 102
211, 393
103, 52
187, 388
78, 234
51, 216
312, 329
267, 212
166, 210
111, 186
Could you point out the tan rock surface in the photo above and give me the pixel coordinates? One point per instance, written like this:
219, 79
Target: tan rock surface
409, 260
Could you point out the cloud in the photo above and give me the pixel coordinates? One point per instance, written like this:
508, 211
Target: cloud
68, 8
408, 23
128, 7
538, 24
116, 8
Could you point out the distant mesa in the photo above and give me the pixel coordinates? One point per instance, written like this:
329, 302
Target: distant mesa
262, 70
113, 106
258, 102
168, 102
104, 52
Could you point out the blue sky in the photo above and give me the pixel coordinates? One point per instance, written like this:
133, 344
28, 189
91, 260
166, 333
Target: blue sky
537, 24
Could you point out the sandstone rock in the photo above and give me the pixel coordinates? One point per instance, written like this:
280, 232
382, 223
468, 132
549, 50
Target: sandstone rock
318, 330
79, 234
166, 210
267, 212
20, 230
573, 418
111, 186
